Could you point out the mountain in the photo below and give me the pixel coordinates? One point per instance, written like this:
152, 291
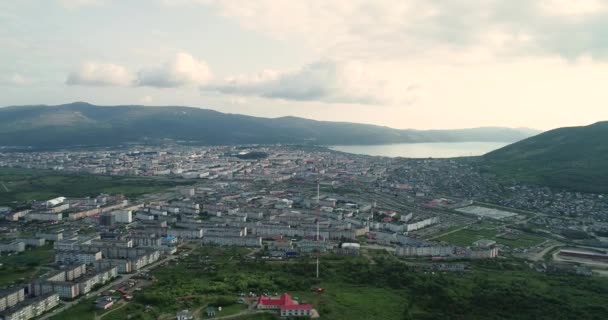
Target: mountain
83, 124
572, 158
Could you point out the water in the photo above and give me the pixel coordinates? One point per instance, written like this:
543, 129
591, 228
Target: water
424, 150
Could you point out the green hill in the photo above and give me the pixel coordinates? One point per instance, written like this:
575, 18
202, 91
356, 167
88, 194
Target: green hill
573, 158
83, 124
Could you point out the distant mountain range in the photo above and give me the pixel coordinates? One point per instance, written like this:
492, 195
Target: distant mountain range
83, 124
573, 158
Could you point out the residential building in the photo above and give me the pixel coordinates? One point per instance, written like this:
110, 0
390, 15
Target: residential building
234, 241
68, 257
11, 297
107, 219
34, 242
51, 235
13, 246
123, 216
31, 308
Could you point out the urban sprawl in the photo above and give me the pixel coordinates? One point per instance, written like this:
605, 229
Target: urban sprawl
284, 202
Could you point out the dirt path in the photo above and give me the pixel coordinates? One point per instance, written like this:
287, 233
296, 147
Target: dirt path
100, 316
240, 314
197, 312
451, 231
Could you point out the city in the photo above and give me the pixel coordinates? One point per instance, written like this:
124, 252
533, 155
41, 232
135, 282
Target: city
278, 204
291, 160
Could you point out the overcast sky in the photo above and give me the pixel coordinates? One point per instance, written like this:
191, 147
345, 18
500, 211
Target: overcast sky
405, 63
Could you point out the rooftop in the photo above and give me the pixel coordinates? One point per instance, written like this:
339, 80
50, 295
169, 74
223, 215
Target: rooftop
284, 302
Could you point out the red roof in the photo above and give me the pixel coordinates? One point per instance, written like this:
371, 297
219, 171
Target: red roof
297, 307
284, 302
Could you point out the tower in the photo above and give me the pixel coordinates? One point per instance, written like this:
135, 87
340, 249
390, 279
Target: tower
318, 218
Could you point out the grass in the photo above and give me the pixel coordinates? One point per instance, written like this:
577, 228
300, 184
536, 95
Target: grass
388, 289
85, 310
24, 266
523, 241
466, 237
26, 185
342, 301
257, 316
226, 311
130, 311
357, 289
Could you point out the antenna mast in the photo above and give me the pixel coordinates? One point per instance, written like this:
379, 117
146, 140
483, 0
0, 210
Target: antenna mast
318, 217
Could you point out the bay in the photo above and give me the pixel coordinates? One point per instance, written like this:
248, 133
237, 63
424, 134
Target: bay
423, 150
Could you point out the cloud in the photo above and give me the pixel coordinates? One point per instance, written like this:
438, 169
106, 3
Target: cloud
182, 70
100, 74
325, 81
15, 79
146, 99
573, 7
73, 4
400, 29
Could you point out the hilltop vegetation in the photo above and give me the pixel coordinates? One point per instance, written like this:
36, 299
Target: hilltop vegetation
82, 124
387, 288
573, 158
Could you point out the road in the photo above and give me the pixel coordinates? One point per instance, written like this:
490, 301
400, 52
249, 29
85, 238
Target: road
539, 256
106, 287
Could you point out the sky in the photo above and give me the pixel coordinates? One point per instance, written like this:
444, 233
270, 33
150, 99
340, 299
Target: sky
422, 64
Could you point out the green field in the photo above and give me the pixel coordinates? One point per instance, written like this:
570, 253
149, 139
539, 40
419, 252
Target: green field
345, 301
466, 237
258, 316
18, 268
129, 311
357, 289
85, 310
25, 185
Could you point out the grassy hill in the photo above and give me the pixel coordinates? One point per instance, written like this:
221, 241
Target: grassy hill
83, 124
573, 158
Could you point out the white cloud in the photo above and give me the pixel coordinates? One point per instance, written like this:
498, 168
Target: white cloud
146, 99
73, 4
362, 29
573, 7
100, 74
325, 81
238, 101
14, 79
182, 70
405, 29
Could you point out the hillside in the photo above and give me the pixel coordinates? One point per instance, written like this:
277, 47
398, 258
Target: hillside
83, 124
572, 158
